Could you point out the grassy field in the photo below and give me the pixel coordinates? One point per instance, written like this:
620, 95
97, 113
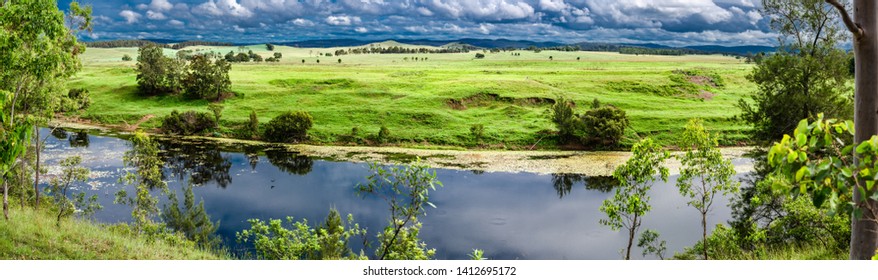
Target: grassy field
30, 234
435, 102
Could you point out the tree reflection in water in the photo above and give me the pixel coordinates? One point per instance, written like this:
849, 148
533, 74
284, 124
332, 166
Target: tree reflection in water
202, 162
290, 162
563, 183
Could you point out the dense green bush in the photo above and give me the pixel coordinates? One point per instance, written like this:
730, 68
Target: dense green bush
253, 125
188, 123
77, 99
604, 126
290, 127
383, 135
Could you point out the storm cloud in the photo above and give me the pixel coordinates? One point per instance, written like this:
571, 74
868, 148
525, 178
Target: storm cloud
672, 22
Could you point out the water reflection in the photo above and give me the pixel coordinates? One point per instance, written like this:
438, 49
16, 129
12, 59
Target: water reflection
509, 215
289, 162
563, 183
78, 139
200, 161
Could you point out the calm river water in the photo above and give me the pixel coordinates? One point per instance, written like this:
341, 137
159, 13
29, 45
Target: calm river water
508, 215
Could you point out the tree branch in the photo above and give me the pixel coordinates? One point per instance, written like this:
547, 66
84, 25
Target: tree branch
853, 27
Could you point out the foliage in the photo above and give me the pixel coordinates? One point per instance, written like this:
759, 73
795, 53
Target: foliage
188, 123
808, 75
478, 132
191, 220
631, 200
406, 190
70, 174
649, 241
144, 159
604, 126
477, 255
126, 57
565, 120
383, 135
704, 172
80, 98
822, 161
207, 79
253, 124
156, 73
480, 55
273, 241
290, 127
217, 110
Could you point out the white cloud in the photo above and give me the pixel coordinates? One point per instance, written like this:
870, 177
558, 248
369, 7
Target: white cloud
553, 5
238, 28
342, 20
155, 15
142, 7
130, 16
302, 22
361, 30
160, 5
175, 22
223, 8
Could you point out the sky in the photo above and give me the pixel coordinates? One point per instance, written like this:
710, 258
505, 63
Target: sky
668, 22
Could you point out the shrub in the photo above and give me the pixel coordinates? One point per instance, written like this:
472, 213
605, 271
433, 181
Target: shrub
126, 58
188, 123
383, 135
77, 99
480, 56
290, 127
217, 110
478, 132
604, 126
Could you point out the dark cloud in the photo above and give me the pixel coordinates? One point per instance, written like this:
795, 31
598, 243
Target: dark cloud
675, 22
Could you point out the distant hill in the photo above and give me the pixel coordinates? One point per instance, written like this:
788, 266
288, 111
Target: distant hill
470, 43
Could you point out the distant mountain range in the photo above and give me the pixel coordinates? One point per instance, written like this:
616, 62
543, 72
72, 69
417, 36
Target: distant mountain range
515, 44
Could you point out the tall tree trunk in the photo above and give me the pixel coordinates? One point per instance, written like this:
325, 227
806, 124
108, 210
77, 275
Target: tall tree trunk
864, 27
37, 167
864, 231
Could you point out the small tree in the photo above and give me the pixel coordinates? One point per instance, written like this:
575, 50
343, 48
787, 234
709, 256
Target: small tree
406, 190
480, 55
144, 159
631, 199
339, 60
191, 220
217, 110
649, 241
705, 173
253, 125
565, 120
278, 55
208, 79
156, 73
70, 174
126, 57
269, 47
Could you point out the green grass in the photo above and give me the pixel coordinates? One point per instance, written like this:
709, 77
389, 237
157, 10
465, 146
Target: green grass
31, 234
415, 99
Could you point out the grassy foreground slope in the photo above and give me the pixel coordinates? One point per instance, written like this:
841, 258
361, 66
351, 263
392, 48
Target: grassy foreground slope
437, 101
30, 234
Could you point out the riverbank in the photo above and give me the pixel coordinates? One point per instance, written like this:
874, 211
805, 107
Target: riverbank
541, 162
34, 235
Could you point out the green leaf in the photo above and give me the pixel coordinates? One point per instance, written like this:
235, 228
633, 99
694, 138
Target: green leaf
802, 173
802, 128
863, 147
801, 139
791, 157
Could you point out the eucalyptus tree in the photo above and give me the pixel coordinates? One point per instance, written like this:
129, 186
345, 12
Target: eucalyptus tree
864, 30
631, 200
704, 174
40, 52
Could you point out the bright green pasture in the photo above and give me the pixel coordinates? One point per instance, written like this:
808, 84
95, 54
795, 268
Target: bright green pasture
417, 100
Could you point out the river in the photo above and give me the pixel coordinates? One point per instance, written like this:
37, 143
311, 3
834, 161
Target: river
509, 215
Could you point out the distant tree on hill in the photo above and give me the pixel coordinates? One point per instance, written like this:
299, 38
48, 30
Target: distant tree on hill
480, 56
278, 55
269, 47
126, 57
156, 73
